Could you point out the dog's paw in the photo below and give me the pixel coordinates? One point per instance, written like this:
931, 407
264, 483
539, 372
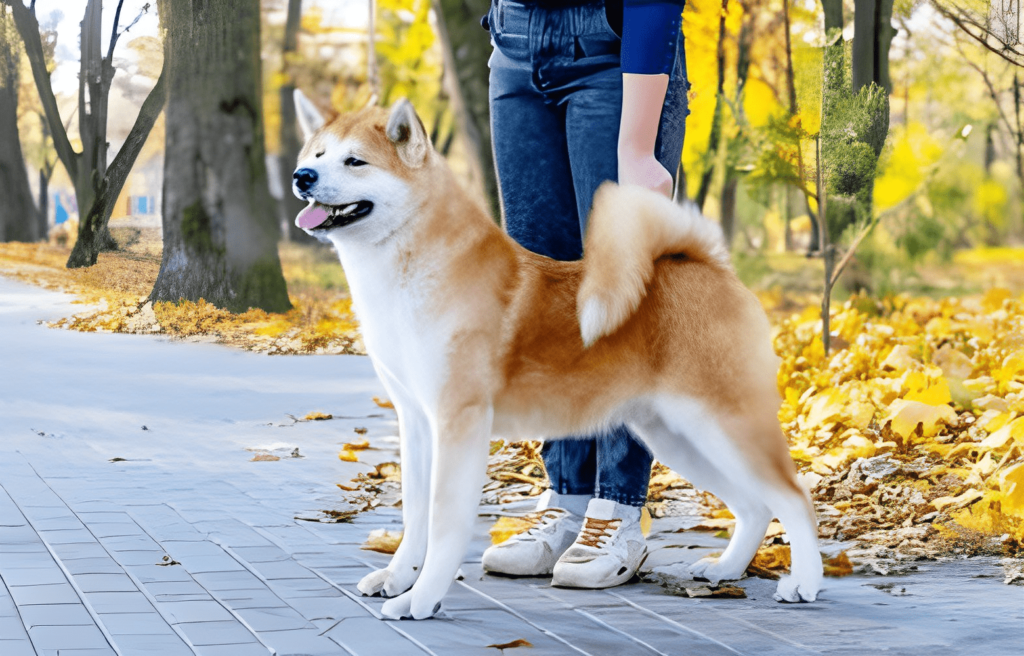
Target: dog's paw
406, 607
387, 582
793, 590
715, 570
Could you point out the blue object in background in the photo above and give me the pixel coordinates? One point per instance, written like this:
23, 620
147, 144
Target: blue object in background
59, 213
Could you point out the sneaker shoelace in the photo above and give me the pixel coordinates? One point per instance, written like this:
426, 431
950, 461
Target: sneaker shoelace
596, 531
538, 519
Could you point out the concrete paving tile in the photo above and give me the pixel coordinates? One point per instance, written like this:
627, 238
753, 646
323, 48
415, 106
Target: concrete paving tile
11, 626
240, 580
282, 569
78, 652
178, 612
58, 524
201, 547
117, 602
162, 644
35, 576
217, 633
30, 560
345, 576
238, 599
92, 566
23, 548
105, 583
55, 615
90, 549
189, 587
22, 534
261, 554
104, 530
21, 647
59, 593
367, 635
335, 608
308, 642
131, 543
67, 637
198, 564
140, 557
68, 536
274, 619
249, 649
148, 623
151, 573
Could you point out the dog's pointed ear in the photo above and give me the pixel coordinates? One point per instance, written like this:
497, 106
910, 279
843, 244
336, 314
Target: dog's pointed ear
310, 118
406, 131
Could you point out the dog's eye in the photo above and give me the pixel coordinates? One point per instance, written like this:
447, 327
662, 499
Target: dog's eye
352, 161
321, 153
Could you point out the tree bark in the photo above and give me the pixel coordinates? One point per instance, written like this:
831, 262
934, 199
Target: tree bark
18, 217
290, 206
872, 35
219, 225
466, 49
716, 121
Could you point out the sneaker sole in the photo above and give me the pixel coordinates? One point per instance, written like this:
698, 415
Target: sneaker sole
611, 583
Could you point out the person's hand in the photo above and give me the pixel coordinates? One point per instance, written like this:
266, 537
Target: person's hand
645, 170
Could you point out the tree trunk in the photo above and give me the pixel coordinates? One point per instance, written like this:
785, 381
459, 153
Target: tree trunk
716, 121
290, 206
219, 225
728, 220
466, 48
44, 205
872, 35
17, 211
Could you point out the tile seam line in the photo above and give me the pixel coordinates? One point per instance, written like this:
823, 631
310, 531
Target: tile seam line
674, 623
67, 574
17, 609
213, 594
600, 622
515, 613
765, 631
348, 594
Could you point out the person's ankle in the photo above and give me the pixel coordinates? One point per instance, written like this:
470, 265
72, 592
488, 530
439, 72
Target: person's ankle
574, 503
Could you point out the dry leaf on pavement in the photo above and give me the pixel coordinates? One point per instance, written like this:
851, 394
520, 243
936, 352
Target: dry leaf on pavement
383, 541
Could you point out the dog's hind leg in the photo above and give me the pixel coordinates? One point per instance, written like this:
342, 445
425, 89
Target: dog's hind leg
796, 513
459, 466
752, 515
415, 436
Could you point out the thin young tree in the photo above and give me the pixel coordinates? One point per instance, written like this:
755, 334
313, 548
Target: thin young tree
220, 228
289, 206
97, 184
18, 217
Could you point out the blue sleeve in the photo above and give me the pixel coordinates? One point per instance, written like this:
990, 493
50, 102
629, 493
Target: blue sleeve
650, 33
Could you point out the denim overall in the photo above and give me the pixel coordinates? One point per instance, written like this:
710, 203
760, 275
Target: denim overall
556, 101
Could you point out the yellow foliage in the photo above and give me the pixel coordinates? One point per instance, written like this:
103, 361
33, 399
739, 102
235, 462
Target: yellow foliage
914, 151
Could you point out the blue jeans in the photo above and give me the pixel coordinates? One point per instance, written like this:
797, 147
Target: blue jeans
556, 101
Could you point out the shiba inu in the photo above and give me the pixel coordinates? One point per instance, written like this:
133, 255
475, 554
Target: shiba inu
472, 335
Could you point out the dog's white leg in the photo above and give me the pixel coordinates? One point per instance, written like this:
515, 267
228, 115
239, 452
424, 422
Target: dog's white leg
415, 441
796, 513
460, 461
751, 523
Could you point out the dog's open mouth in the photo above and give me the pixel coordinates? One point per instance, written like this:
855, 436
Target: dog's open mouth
317, 216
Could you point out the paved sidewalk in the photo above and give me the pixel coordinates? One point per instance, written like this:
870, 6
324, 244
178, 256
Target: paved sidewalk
186, 546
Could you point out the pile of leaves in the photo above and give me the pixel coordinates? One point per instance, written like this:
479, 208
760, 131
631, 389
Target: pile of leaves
117, 289
910, 434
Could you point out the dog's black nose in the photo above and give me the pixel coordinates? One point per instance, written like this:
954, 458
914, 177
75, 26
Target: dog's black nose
305, 179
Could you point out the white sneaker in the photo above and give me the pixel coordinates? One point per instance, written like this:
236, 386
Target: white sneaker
535, 551
609, 550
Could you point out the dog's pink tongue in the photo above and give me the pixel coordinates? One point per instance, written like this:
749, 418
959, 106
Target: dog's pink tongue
311, 217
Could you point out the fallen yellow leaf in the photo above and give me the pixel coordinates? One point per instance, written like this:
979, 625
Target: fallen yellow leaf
506, 527
348, 456
906, 416
383, 403
356, 446
936, 395
510, 645
264, 457
383, 541
838, 565
318, 416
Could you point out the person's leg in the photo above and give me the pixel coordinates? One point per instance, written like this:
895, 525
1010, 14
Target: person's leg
536, 186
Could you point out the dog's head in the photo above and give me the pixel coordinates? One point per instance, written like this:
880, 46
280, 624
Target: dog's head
362, 172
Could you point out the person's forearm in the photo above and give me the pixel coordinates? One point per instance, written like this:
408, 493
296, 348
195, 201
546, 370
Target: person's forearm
643, 97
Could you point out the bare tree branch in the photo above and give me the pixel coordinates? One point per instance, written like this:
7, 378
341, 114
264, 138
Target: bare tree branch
113, 31
28, 27
962, 20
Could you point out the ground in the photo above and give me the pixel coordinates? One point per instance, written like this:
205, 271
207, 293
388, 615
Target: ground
133, 520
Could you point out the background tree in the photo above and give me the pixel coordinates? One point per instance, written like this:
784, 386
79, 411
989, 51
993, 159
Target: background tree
18, 217
290, 206
466, 49
220, 228
97, 186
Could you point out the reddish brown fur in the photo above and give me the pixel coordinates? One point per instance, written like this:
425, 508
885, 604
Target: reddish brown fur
697, 333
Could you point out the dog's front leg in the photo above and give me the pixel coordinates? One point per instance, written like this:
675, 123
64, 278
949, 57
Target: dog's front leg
407, 563
459, 466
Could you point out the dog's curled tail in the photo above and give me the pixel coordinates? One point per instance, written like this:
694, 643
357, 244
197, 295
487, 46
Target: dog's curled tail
630, 227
